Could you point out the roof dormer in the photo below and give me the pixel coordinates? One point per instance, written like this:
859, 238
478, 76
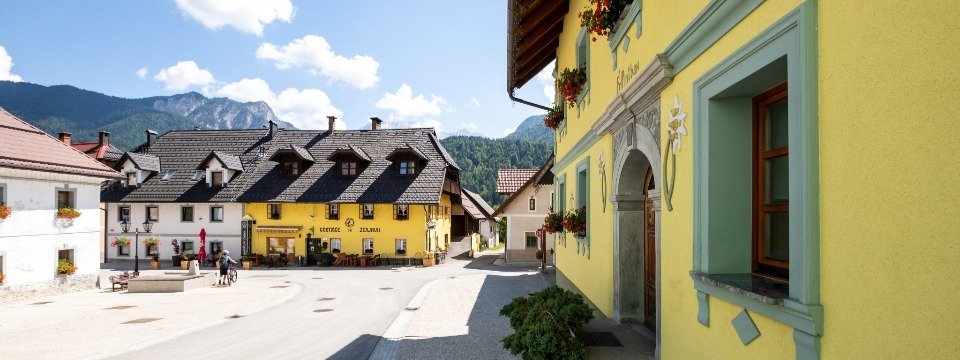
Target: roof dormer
409, 159
294, 160
351, 160
137, 167
219, 168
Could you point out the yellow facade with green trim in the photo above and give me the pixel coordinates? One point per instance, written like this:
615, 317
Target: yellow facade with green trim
876, 94
426, 229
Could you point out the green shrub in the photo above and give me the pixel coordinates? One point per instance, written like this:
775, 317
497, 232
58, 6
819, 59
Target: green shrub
547, 325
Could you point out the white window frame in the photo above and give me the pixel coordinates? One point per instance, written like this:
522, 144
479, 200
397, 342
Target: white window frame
222, 213
335, 245
400, 246
367, 245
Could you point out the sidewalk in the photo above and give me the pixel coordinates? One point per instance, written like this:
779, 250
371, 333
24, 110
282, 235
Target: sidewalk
100, 323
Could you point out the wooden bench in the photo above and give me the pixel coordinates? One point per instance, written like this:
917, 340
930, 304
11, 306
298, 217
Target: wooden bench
121, 280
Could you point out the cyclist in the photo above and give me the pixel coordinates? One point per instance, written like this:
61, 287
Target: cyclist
225, 262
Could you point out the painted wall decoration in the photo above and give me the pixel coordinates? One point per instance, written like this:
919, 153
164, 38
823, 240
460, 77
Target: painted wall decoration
675, 131
601, 170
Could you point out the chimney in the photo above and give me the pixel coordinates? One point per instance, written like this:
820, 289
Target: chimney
273, 129
331, 121
151, 137
375, 123
104, 138
65, 137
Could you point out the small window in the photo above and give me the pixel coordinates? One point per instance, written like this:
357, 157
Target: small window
168, 175
273, 211
123, 213
216, 178
123, 250
65, 255
290, 168
3, 194
333, 211
153, 213
408, 167
132, 178
186, 247
368, 246
402, 212
65, 199
335, 245
348, 168
771, 224
367, 211
531, 240
197, 176
151, 250
533, 203
401, 246
186, 214
216, 213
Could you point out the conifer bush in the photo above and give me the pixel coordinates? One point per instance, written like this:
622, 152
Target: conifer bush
547, 325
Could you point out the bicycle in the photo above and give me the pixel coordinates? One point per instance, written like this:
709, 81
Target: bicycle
231, 276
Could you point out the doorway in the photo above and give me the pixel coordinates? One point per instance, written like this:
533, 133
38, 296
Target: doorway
650, 254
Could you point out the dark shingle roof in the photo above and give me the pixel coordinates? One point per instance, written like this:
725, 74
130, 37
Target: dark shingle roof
407, 149
146, 162
443, 151
378, 181
230, 162
181, 152
481, 204
26, 147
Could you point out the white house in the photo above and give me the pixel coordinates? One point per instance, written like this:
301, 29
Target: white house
40, 175
479, 216
184, 183
525, 209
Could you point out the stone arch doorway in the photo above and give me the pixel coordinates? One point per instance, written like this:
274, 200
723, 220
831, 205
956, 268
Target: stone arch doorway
636, 200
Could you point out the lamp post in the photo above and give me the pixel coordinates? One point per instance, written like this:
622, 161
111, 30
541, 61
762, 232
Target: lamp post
147, 226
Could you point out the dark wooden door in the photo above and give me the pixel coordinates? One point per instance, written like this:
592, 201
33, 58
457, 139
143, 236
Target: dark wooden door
458, 225
650, 258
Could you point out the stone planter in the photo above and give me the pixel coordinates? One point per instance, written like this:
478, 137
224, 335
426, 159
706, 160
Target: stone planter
247, 264
155, 264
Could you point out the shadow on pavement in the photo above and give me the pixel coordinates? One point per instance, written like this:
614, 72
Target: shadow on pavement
359, 348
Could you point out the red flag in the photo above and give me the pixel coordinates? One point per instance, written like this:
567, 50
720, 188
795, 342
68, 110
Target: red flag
202, 253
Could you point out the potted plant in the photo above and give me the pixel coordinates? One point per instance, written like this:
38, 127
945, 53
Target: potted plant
576, 222
120, 241
68, 213
570, 84
554, 117
602, 16
5, 211
553, 223
185, 260
428, 259
65, 267
155, 261
247, 263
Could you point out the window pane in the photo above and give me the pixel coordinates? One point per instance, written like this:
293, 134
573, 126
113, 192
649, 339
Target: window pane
776, 125
778, 180
776, 236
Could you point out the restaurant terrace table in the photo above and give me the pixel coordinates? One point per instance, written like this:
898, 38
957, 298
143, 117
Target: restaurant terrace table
364, 259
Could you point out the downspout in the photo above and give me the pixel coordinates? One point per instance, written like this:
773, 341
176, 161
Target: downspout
525, 102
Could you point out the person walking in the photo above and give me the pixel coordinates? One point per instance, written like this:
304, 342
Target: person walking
225, 262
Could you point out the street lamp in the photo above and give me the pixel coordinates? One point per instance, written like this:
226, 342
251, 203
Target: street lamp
147, 226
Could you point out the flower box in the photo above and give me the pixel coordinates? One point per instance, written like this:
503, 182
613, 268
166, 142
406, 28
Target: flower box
68, 213
603, 16
120, 241
570, 84
5, 211
575, 221
65, 267
554, 118
553, 223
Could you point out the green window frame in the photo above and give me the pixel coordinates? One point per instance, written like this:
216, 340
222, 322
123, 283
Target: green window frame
583, 59
722, 244
582, 198
561, 202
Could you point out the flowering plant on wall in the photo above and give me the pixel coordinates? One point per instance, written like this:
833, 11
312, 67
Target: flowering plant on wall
576, 222
4, 211
554, 118
66, 267
151, 241
553, 223
602, 16
570, 84
68, 213
120, 241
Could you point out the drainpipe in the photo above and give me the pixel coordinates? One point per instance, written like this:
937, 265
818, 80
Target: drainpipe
525, 102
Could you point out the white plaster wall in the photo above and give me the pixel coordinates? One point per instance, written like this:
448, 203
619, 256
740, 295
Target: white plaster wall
521, 218
31, 236
216, 165
128, 167
169, 227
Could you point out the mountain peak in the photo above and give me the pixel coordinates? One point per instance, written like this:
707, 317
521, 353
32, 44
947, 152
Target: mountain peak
532, 128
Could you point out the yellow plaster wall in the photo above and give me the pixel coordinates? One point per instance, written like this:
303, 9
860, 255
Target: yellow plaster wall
889, 145
414, 230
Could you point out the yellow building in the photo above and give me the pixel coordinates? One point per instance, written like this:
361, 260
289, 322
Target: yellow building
387, 192
761, 178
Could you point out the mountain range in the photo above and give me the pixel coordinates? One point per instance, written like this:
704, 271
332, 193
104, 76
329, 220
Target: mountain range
64, 108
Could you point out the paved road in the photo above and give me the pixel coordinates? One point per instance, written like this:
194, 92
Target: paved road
340, 314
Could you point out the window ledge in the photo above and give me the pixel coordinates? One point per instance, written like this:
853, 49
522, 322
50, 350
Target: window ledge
758, 288
629, 18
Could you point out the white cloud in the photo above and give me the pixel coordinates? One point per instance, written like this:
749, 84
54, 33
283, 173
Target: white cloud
305, 109
244, 15
142, 72
6, 65
183, 75
545, 77
315, 53
404, 105
509, 131
475, 102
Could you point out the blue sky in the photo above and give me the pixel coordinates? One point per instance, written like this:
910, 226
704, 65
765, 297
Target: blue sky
412, 63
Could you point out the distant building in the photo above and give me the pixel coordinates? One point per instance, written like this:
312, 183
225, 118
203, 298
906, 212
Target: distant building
42, 179
99, 150
530, 199
478, 217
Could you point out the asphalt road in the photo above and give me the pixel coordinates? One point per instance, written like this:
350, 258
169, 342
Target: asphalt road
340, 314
